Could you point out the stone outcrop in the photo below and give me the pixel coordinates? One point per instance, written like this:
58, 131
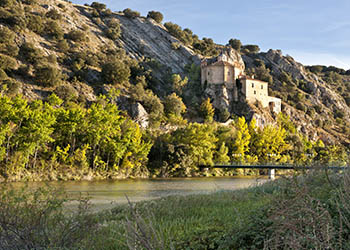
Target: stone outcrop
317, 93
143, 37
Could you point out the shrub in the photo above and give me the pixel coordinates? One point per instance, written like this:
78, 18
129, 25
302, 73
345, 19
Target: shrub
35, 24
339, 114
316, 68
98, 6
301, 106
175, 46
6, 35
53, 29
7, 63
12, 86
66, 92
61, 6
115, 72
156, 16
206, 47
250, 48
48, 76
38, 219
130, 13
77, 36
16, 20
3, 75
224, 115
7, 3
173, 105
113, 33
95, 13
235, 44
54, 14
9, 49
63, 45
30, 53
85, 27
259, 63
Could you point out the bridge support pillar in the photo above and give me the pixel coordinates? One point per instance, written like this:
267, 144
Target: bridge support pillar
272, 174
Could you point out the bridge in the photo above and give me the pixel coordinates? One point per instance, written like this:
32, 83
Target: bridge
271, 168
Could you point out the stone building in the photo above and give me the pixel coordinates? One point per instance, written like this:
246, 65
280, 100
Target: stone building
227, 70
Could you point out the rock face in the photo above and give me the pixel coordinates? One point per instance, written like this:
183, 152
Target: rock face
143, 37
136, 111
317, 94
220, 95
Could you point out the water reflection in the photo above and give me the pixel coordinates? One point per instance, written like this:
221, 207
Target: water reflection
106, 193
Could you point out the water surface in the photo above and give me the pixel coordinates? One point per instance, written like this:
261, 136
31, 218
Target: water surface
104, 194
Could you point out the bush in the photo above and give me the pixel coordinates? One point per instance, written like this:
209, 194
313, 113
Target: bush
16, 20
175, 30
54, 14
12, 86
173, 105
339, 114
35, 24
6, 35
30, 53
3, 75
77, 36
63, 45
235, 44
98, 6
38, 219
53, 29
206, 47
7, 63
175, 46
66, 92
113, 33
115, 72
130, 13
7, 3
156, 16
250, 48
48, 76
301, 106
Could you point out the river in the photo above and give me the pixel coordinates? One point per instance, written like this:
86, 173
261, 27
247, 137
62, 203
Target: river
104, 194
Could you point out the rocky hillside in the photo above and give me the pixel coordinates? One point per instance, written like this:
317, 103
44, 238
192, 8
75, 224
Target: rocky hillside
315, 102
79, 52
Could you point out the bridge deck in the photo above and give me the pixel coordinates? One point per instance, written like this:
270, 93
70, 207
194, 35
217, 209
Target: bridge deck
286, 167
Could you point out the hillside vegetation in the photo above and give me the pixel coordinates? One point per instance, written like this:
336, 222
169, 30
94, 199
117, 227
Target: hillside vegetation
90, 92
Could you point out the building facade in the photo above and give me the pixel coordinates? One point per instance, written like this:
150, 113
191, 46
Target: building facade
228, 69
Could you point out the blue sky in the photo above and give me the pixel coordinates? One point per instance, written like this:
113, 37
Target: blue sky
313, 32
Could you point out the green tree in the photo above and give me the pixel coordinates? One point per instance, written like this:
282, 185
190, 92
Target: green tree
173, 105
115, 72
241, 141
221, 155
178, 83
207, 110
235, 44
48, 76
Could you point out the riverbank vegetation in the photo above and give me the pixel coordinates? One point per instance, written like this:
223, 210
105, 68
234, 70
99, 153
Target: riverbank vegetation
52, 139
309, 211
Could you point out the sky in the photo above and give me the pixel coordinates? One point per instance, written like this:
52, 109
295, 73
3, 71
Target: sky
311, 31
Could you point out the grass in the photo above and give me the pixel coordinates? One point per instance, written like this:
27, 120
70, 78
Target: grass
305, 212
